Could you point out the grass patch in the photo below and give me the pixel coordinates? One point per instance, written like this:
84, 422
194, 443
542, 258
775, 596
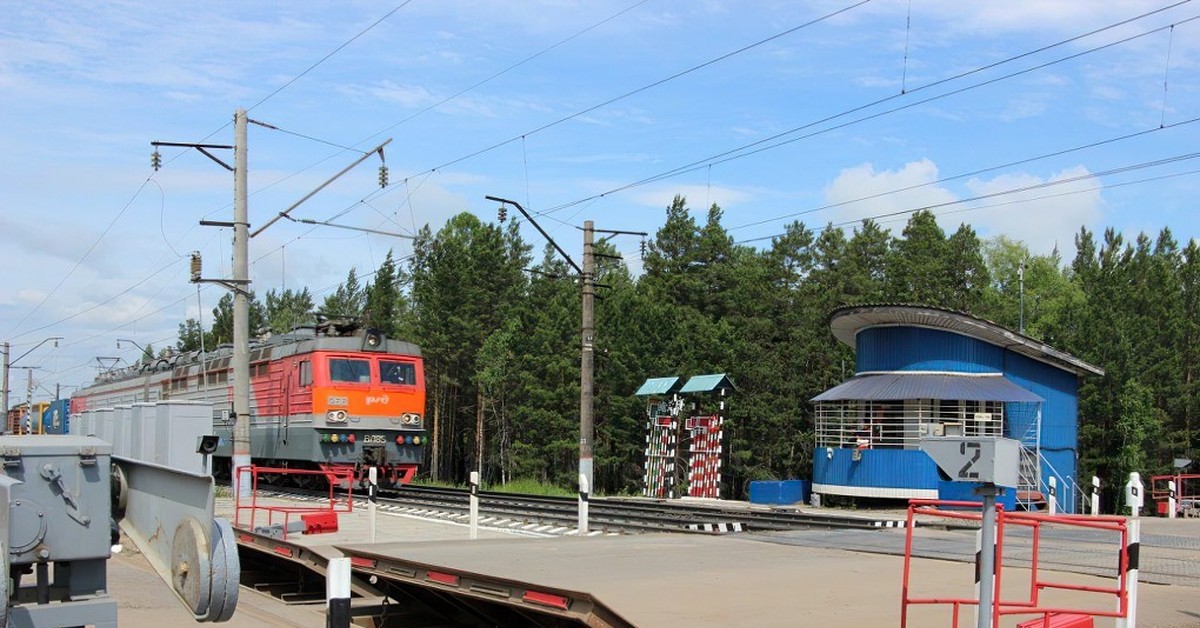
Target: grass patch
531, 487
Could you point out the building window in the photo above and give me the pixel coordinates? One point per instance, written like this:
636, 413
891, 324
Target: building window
901, 424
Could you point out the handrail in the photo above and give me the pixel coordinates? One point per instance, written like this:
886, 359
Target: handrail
1125, 590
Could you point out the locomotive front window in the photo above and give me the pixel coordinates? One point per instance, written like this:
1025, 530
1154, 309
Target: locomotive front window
391, 372
346, 370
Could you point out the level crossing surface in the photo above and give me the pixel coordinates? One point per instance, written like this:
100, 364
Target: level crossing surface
809, 577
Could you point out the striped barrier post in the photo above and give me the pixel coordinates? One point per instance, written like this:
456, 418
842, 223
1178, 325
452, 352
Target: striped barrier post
1171, 502
372, 500
583, 505
1053, 505
660, 457
474, 505
1095, 496
1130, 576
337, 593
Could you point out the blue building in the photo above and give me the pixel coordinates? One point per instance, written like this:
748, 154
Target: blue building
925, 371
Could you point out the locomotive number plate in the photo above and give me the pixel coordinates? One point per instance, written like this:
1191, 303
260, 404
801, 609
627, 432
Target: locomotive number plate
337, 401
374, 439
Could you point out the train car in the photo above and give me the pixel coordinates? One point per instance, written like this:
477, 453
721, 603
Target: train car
328, 397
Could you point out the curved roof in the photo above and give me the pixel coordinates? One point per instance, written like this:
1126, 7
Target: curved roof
847, 321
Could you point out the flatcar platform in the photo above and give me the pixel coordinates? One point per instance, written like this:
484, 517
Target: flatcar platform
430, 569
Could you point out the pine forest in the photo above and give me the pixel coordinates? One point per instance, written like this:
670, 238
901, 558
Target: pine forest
498, 323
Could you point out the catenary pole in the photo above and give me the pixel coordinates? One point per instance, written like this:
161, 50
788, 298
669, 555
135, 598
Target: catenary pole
585, 371
4, 349
241, 307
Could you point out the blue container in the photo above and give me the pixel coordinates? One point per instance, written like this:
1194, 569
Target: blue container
965, 492
780, 493
55, 419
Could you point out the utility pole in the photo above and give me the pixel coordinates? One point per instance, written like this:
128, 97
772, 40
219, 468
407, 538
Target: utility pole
6, 364
4, 349
241, 307
239, 284
587, 350
1021, 281
587, 277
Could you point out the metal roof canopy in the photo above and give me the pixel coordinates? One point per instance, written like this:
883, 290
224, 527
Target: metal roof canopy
847, 321
658, 386
903, 386
708, 383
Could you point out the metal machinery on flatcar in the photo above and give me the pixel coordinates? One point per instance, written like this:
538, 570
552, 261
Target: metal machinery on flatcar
326, 397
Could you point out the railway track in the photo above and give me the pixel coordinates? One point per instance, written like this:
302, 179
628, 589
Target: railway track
559, 515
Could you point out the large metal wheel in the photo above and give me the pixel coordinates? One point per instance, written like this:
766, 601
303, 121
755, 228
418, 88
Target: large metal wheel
191, 566
226, 572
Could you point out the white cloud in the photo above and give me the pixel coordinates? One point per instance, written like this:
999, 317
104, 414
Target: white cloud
863, 192
1041, 218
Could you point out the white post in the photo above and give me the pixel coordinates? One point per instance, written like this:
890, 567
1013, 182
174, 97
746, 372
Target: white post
372, 500
337, 593
474, 500
1053, 496
1171, 503
583, 505
978, 569
1133, 494
987, 556
1131, 576
1095, 496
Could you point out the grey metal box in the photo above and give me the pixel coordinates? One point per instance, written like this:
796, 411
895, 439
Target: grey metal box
987, 459
61, 509
178, 425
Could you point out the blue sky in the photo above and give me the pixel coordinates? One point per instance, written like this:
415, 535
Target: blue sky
574, 109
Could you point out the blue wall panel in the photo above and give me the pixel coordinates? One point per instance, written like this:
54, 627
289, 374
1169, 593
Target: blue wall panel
921, 349
879, 468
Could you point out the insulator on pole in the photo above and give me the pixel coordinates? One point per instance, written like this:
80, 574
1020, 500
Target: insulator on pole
197, 265
155, 160
383, 176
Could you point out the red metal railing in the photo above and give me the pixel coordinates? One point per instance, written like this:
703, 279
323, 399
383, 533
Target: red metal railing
1037, 583
334, 503
1187, 492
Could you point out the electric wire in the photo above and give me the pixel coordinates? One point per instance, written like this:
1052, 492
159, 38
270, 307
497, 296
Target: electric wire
763, 145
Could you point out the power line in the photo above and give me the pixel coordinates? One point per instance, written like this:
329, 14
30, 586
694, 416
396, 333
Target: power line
649, 86
765, 145
972, 173
326, 57
1016, 190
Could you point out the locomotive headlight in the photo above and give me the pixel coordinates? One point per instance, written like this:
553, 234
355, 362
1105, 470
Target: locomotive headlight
336, 416
412, 419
